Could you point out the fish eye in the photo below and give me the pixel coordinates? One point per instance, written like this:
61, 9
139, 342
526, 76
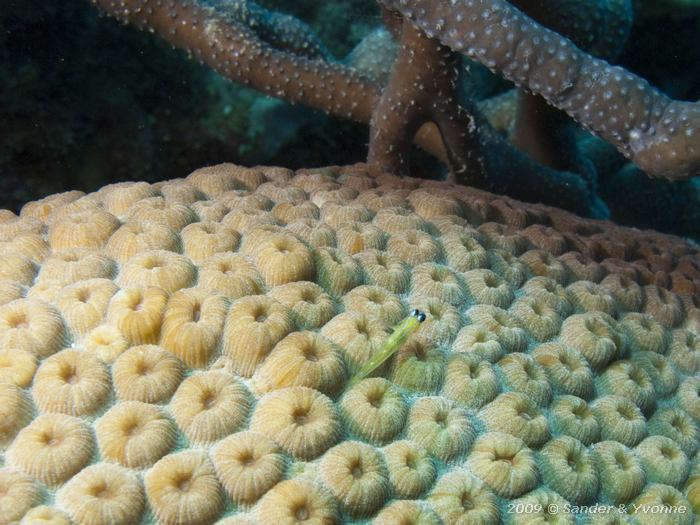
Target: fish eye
421, 317
415, 312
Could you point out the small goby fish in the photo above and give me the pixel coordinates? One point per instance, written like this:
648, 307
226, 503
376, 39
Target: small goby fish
398, 337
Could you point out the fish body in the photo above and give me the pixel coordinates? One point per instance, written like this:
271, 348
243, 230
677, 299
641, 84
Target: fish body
398, 337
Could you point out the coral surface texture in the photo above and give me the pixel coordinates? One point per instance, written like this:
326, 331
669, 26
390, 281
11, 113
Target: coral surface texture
184, 352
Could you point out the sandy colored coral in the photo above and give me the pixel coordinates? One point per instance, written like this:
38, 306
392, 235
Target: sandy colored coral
338, 272
193, 322
298, 500
138, 313
135, 237
166, 270
359, 336
208, 406
71, 383
10, 290
502, 323
27, 244
619, 419
540, 318
46, 515
571, 416
156, 210
356, 475
470, 381
118, 198
440, 426
248, 464
15, 412
374, 410
595, 335
84, 304
135, 434
627, 379
74, 265
621, 473
521, 373
358, 236
383, 269
18, 269
675, 424
86, 229
146, 373
310, 306
504, 463
31, 325
283, 259
299, 419
418, 366
567, 468
480, 341
486, 287
656, 495
52, 448
663, 460
406, 511
231, 275
103, 493
375, 301
459, 497
515, 413
411, 469
183, 488
17, 366
18, 494
566, 369
302, 359
254, 325
190, 350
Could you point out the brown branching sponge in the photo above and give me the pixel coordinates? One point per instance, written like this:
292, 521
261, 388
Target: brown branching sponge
662, 136
208, 400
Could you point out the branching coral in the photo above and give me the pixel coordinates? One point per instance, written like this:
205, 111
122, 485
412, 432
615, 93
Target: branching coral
658, 133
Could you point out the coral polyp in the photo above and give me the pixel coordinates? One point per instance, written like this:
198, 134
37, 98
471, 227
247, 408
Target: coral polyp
460, 497
357, 476
52, 448
135, 434
103, 493
248, 465
183, 487
208, 406
301, 420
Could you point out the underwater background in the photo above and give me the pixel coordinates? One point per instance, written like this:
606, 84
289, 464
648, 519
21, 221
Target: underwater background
87, 101
207, 338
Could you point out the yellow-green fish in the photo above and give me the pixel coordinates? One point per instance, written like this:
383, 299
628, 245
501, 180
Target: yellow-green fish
398, 337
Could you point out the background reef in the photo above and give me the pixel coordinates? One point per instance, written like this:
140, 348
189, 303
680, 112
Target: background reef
86, 102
